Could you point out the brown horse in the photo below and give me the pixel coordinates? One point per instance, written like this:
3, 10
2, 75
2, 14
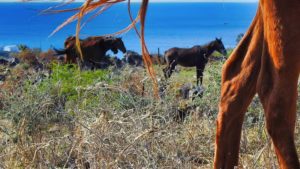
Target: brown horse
93, 49
267, 62
196, 56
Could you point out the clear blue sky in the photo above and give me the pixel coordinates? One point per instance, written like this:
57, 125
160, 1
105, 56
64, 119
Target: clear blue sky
164, 0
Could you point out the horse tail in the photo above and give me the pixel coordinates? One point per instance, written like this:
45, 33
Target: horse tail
60, 52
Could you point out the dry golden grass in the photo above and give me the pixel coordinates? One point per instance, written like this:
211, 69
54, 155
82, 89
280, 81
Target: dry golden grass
110, 125
29, 57
48, 57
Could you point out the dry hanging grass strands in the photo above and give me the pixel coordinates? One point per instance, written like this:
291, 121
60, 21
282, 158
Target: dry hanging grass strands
101, 5
145, 52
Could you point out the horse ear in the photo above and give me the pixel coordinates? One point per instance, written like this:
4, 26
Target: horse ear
218, 39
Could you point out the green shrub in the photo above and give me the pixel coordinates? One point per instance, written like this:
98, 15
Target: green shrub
70, 79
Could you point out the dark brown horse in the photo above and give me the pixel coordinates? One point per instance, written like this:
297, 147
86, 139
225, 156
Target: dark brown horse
196, 56
93, 49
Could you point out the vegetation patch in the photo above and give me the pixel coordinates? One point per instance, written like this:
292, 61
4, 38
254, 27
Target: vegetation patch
67, 118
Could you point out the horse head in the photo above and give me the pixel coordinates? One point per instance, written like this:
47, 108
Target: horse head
118, 45
70, 41
114, 50
219, 46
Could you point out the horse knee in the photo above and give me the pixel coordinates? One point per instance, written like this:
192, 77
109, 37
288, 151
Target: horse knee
233, 105
228, 117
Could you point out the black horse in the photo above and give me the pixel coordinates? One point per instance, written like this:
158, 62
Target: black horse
93, 49
189, 57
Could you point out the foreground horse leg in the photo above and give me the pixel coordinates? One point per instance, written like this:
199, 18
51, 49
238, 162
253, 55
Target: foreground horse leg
239, 79
277, 89
278, 93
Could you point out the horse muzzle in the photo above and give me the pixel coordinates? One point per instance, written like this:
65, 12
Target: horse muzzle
124, 50
115, 51
224, 52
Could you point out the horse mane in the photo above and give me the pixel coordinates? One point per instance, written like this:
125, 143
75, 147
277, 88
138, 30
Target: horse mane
206, 45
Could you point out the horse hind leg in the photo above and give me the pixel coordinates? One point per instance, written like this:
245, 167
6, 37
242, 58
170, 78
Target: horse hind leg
278, 93
239, 79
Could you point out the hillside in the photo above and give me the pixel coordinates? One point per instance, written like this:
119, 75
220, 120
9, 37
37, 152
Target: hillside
109, 119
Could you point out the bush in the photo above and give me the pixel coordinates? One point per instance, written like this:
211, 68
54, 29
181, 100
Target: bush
48, 57
69, 79
27, 56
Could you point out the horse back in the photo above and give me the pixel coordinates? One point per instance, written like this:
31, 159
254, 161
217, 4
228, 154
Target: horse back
188, 57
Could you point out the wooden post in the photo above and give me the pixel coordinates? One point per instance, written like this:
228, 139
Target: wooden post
158, 58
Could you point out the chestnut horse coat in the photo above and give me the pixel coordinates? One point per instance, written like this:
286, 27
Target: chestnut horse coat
266, 62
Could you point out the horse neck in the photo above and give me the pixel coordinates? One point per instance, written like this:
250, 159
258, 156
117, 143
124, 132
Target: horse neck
209, 49
107, 45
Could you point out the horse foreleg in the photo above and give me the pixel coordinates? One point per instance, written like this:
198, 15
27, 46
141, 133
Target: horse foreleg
239, 79
199, 72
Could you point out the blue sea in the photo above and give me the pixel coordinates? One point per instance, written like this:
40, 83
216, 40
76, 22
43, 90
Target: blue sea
167, 24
